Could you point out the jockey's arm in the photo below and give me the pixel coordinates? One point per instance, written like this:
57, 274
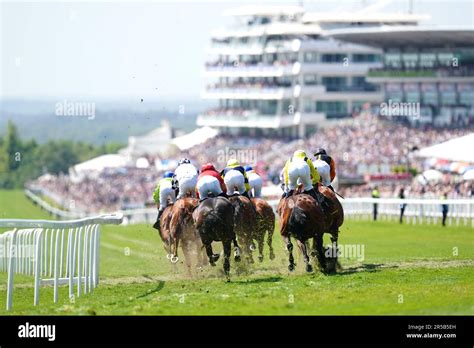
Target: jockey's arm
156, 194
333, 169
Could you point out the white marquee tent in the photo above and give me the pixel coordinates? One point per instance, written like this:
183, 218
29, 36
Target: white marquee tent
194, 138
459, 150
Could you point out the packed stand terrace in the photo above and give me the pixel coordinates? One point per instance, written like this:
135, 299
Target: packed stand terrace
365, 141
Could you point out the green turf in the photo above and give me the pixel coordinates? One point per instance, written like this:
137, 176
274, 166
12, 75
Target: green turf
412, 263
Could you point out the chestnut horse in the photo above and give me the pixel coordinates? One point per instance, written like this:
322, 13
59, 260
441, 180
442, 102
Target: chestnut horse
245, 222
302, 218
265, 225
214, 220
177, 226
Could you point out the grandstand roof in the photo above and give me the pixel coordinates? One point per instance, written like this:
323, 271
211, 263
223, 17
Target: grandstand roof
458, 149
396, 36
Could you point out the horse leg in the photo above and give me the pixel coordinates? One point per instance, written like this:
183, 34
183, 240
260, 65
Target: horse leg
227, 250
237, 251
260, 242
269, 242
334, 238
289, 247
212, 257
304, 251
320, 252
174, 250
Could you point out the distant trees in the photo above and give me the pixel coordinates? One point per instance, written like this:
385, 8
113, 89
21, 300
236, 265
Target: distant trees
21, 161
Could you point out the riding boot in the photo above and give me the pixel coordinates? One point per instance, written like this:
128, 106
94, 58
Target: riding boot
246, 194
289, 193
157, 223
222, 194
312, 193
332, 188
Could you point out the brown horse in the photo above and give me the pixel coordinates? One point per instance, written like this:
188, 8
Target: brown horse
334, 219
302, 218
214, 220
245, 222
265, 224
164, 230
181, 229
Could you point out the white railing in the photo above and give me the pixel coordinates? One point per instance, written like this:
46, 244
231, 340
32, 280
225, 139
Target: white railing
416, 210
54, 252
460, 211
62, 214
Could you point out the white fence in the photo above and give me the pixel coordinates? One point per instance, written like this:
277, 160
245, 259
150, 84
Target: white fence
460, 211
54, 252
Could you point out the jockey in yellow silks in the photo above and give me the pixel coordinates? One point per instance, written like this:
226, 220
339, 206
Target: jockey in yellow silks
299, 166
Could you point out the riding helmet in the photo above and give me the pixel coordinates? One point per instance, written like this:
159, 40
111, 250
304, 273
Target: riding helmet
168, 174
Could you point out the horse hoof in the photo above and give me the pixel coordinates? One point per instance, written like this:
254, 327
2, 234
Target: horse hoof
291, 268
168, 256
272, 256
215, 257
174, 259
252, 247
309, 268
237, 258
260, 258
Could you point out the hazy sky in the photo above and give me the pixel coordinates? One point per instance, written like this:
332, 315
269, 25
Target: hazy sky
136, 48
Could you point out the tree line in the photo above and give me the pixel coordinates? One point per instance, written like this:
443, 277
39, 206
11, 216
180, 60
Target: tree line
21, 161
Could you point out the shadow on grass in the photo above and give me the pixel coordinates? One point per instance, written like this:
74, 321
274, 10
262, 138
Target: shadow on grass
161, 285
258, 280
366, 267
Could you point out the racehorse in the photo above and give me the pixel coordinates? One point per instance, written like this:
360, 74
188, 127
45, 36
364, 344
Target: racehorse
181, 229
265, 224
164, 230
302, 218
334, 219
214, 220
245, 222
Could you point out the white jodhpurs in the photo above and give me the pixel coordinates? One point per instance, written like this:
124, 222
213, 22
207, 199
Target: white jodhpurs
234, 180
324, 171
299, 169
256, 183
187, 186
208, 184
166, 192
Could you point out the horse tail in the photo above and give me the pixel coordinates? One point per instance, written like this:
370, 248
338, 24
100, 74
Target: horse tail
298, 218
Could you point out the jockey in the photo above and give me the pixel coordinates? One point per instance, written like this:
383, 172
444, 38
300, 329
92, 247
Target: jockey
235, 177
321, 155
255, 181
209, 181
185, 178
162, 193
299, 166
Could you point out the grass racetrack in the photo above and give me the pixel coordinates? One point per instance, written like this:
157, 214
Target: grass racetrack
407, 269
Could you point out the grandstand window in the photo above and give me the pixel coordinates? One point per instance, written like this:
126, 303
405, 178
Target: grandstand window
393, 60
365, 58
310, 79
310, 57
427, 60
332, 109
445, 59
430, 98
308, 105
410, 60
334, 83
332, 58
